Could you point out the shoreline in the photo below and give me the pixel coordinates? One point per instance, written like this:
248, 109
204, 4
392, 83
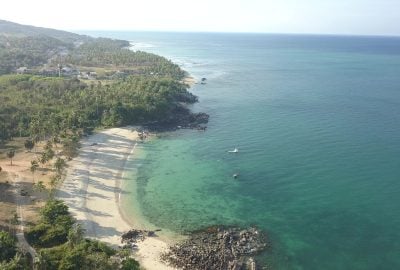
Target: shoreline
93, 190
133, 215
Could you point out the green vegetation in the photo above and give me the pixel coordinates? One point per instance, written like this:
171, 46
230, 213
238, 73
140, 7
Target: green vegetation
66, 86
103, 52
53, 227
7, 246
136, 87
29, 144
29, 46
43, 106
10, 257
40, 51
34, 51
62, 246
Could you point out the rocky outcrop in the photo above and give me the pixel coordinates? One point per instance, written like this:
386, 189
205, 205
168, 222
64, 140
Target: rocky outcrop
218, 248
181, 118
131, 237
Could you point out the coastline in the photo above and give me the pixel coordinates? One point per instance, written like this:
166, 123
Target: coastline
129, 205
92, 190
190, 81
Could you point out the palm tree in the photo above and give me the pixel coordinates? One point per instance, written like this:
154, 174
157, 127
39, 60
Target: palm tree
34, 166
75, 235
54, 180
59, 165
29, 144
40, 186
10, 155
43, 159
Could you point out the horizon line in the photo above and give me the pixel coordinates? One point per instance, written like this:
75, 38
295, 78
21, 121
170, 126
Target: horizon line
237, 32
389, 35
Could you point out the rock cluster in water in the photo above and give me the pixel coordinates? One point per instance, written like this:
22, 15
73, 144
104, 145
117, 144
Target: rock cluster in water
217, 248
131, 237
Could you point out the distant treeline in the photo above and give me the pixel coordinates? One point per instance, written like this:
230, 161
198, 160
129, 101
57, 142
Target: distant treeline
103, 52
37, 52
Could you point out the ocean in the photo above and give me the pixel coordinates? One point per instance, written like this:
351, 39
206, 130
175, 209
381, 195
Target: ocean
316, 121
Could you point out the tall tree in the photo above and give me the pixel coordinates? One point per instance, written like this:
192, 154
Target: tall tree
59, 165
10, 155
43, 159
29, 144
34, 166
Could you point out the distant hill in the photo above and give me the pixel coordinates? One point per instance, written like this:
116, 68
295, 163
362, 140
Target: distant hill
41, 51
19, 30
33, 47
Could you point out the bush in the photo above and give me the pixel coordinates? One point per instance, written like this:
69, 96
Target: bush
130, 264
53, 210
18, 262
54, 225
7, 246
88, 254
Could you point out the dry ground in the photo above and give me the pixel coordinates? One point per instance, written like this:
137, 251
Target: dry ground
19, 174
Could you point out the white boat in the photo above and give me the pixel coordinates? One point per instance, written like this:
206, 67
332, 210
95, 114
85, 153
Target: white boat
234, 150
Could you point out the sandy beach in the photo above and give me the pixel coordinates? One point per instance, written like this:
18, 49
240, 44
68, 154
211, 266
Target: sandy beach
92, 192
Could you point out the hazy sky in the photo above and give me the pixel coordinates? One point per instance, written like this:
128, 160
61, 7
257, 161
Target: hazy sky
371, 17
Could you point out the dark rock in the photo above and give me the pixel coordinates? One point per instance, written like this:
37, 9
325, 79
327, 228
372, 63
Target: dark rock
133, 236
217, 247
181, 118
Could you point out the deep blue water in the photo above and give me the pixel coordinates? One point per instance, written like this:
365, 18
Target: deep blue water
316, 120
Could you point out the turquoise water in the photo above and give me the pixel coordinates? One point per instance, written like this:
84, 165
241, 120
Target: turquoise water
316, 120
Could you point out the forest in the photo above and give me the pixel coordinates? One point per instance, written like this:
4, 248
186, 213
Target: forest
45, 106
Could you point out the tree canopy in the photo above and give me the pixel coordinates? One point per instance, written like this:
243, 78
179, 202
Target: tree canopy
7, 246
62, 246
44, 106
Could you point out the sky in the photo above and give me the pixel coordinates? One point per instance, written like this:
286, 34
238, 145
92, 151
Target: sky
350, 17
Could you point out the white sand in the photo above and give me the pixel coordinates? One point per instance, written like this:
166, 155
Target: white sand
92, 191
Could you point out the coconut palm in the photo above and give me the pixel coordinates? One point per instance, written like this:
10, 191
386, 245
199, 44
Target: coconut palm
10, 155
34, 166
29, 144
59, 165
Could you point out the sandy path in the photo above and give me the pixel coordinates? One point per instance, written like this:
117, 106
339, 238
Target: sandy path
17, 175
23, 243
91, 190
